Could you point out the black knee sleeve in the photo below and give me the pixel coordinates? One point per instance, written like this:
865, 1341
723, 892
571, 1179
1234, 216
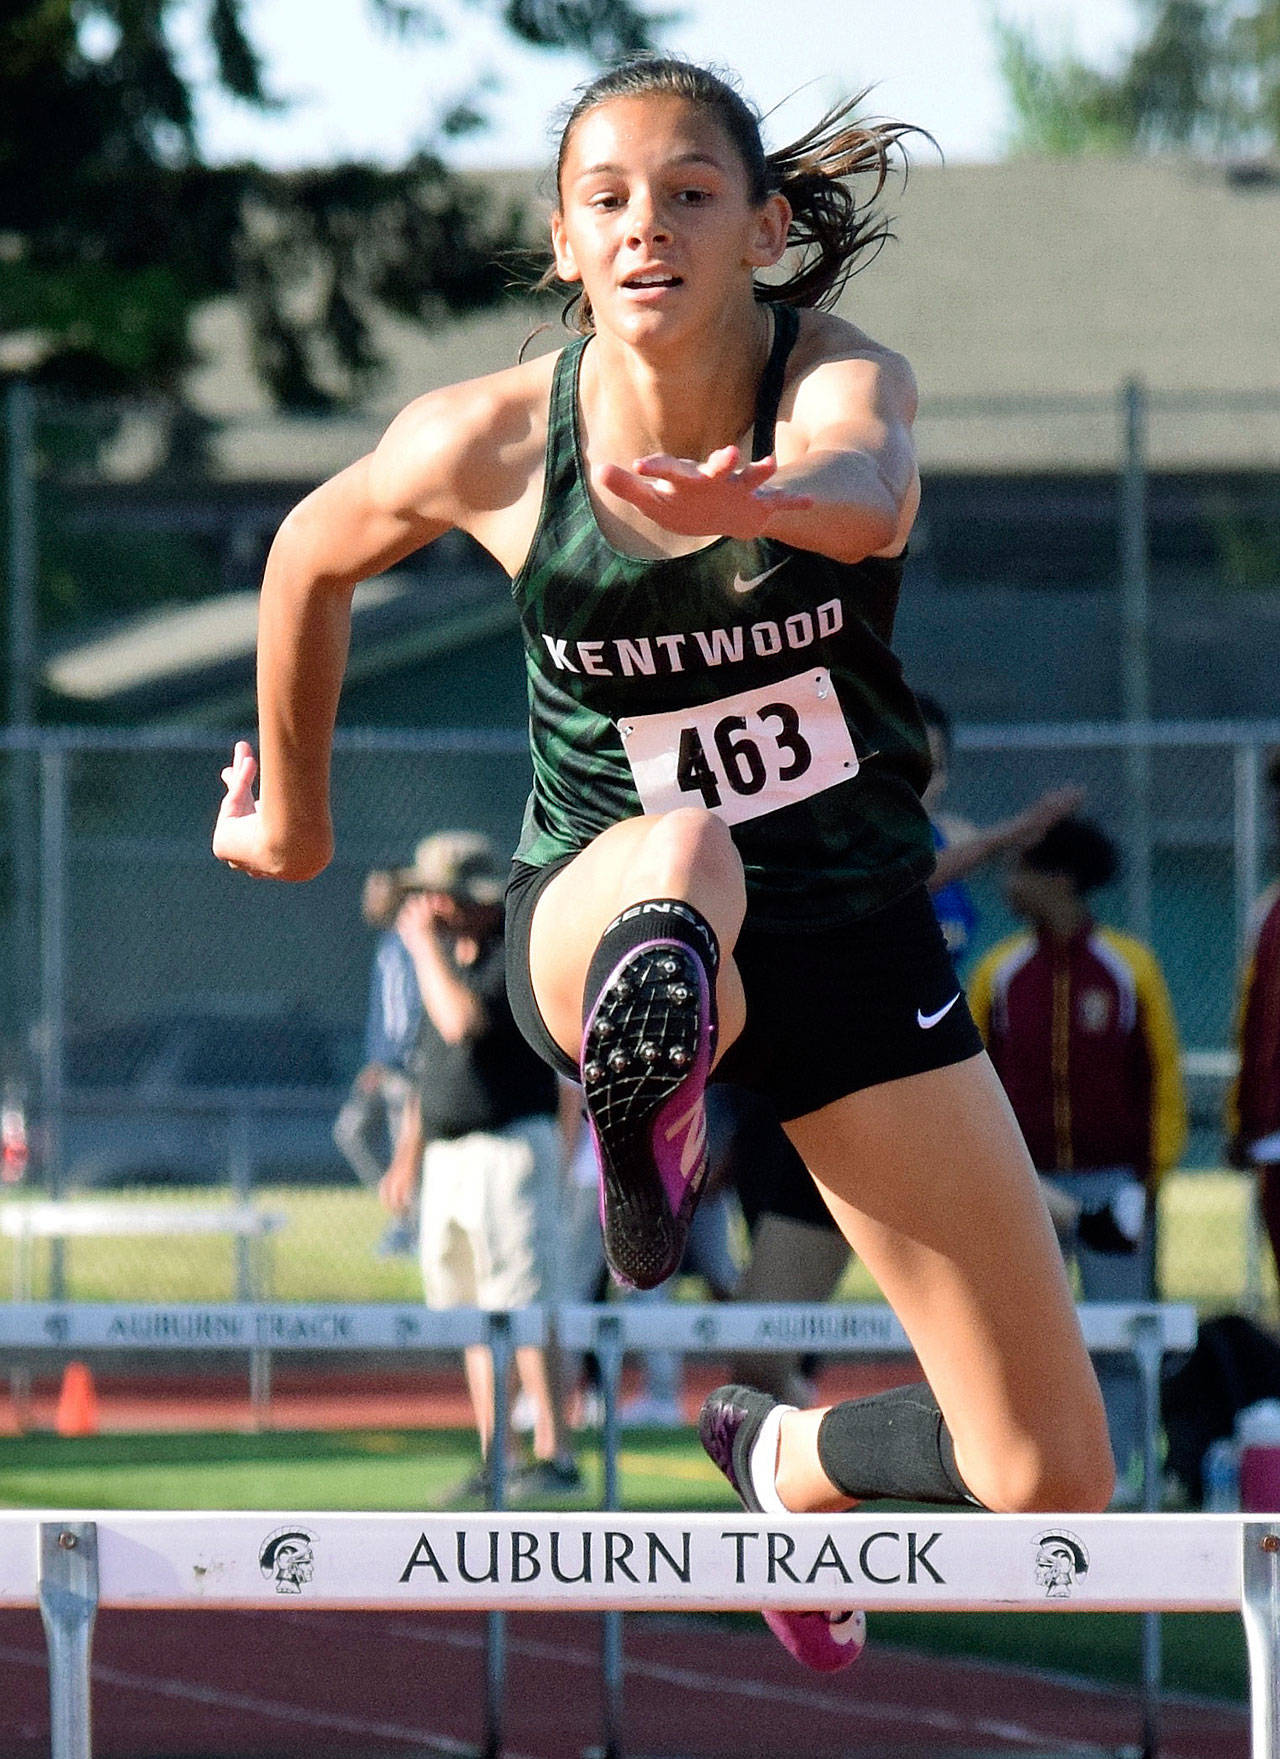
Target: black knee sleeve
893, 1444
657, 919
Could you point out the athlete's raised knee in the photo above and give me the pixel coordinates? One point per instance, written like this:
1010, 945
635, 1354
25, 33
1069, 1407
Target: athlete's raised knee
689, 852
691, 830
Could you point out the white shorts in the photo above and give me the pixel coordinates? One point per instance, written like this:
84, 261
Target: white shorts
490, 1205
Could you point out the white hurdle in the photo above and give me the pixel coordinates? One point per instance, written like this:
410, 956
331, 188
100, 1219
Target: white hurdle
70, 1566
1145, 1332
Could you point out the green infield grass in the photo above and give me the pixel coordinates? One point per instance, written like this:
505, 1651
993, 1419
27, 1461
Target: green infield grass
325, 1251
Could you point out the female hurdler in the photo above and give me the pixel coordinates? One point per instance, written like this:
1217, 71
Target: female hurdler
703, 504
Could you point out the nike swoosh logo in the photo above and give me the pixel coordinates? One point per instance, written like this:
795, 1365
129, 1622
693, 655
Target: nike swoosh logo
741, 585
928, 1020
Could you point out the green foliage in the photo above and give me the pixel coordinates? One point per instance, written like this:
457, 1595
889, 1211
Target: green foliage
113, 228
1060, 107
601, 28
1203, 76
318, 251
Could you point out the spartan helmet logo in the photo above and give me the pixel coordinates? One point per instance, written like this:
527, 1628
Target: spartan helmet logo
1060, 1561
288, 1560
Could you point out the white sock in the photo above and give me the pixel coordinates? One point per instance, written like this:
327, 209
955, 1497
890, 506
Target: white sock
763, 1463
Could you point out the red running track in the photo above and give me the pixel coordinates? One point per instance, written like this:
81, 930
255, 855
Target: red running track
323, 1399
293, 1685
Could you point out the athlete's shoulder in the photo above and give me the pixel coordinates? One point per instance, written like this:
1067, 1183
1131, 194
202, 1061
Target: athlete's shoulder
828, 347
460, 441
989, 982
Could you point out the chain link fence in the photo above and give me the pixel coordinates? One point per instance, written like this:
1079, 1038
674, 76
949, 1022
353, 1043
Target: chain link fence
171, 1022
1186, 806
1111, 554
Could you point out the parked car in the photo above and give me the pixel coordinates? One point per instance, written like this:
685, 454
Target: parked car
207, 1098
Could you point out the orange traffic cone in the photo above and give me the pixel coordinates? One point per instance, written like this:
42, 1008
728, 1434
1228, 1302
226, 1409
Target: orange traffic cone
77, 1402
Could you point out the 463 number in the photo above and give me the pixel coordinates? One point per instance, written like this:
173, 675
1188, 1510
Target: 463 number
742, 760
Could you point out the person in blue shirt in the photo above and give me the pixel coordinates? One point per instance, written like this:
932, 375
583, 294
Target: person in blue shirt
961, 848
366, 1126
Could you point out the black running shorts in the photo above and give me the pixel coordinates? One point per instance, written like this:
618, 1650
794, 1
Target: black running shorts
829, 1011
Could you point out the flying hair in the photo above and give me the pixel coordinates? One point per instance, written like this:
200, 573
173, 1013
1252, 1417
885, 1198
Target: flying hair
834, 231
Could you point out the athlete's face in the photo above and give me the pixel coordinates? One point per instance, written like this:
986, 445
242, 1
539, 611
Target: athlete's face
655, 217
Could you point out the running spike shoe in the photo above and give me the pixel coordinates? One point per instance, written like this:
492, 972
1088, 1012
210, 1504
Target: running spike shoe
729, 1423
646, 1054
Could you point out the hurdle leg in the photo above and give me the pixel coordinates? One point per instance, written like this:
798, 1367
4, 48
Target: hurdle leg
609, 1354
495, 1636
1261, 1608
20, 1378
260, 1388
20, 1396
68, 1604
1148, 1352
1253, 1232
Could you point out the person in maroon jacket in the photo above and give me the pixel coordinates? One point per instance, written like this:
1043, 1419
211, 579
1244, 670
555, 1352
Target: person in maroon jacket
1253, 1111
1078, 1023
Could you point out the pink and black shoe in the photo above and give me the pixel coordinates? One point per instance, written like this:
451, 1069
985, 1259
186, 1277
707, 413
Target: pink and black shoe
729, 1423
647, 1048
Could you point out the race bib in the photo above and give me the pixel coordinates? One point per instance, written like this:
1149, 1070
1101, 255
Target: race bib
744, 755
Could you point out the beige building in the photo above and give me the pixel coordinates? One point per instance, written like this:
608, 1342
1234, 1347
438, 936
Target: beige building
1027, 280
1025, 294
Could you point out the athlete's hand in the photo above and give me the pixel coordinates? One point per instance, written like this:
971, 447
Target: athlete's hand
722, 497
240, 835
237, 835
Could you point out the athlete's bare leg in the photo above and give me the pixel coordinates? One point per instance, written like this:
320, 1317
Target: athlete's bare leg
932, 1186
644, 919
687, 854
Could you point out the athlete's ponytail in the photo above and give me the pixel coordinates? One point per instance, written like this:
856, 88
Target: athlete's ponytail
832, 231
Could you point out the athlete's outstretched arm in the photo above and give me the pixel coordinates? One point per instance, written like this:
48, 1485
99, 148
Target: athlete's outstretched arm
332, 540
845, 483
366, 519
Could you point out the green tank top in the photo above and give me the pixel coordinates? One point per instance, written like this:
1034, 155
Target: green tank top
753, 678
